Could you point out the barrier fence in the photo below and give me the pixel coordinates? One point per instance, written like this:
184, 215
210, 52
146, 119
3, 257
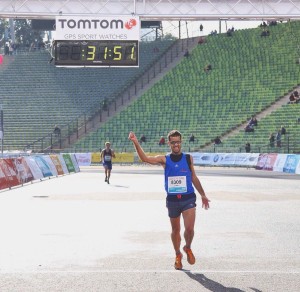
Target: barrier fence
289, 163
16, 171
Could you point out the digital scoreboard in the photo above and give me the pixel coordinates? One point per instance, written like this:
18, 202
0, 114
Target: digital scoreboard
96, 41
93, 53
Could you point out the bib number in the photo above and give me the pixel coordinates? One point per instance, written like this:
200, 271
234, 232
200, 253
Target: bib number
177, 184
107, 158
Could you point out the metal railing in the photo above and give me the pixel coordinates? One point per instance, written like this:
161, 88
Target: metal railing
80, 126
288, 144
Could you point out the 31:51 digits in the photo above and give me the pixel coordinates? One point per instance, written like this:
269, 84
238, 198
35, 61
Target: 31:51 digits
115, 53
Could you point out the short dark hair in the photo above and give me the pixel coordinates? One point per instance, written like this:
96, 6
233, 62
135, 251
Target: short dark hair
174, 133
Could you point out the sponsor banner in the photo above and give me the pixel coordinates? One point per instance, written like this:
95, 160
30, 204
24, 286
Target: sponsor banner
298, 167
24, 173
96, 157
279, 163
228, 159
97, 28
291, 163
246, 159
51, 165
43, 165
63, 164
56, 162
124, 158
3, 181
68, 161
266, 161
75, 163
217, 158
34, 168
84, 159
225, 159
10, 172
202, 158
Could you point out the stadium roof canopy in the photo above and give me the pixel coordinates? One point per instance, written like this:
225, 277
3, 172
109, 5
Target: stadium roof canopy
154, 9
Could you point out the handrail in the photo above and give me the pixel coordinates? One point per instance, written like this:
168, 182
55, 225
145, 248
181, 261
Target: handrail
94, 115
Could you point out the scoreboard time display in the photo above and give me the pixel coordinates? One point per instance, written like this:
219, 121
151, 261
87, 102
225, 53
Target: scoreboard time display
96, 53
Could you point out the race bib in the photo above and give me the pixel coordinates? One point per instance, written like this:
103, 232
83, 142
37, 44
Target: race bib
177, 184
107, 158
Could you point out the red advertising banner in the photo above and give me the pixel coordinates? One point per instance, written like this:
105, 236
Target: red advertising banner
24, 173
266, 161
10, 172
3, 181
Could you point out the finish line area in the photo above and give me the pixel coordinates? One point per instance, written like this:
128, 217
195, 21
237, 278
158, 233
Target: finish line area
78, 233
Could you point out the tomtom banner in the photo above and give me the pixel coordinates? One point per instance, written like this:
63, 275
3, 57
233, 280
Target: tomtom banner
97, 28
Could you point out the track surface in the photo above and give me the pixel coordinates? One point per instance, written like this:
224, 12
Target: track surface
77, 233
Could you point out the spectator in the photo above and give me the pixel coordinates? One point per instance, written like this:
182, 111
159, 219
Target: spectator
214, 32
207, 68
201, 27
273, 23
253, 122
186, 54
272, 140
230, 32
162, 141
294, 98
247, 147
143, 139
265, 33
10, 49
217, 141
264, 24
283, 130
57, 130
201, 41
6, 49
192, 138
249, 128
278, 138
105, 104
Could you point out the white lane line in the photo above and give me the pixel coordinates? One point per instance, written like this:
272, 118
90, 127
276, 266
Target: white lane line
150, 271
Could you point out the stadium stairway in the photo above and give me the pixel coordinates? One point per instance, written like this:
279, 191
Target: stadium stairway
161, 67
270, 109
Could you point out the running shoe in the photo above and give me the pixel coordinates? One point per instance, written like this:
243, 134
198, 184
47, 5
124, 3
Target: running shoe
190, 256
178, 264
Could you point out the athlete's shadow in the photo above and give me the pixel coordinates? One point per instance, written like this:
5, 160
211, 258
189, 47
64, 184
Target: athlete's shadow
210, 284
120, 186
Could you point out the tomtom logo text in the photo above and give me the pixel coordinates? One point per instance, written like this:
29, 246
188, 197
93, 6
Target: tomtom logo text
96, 24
